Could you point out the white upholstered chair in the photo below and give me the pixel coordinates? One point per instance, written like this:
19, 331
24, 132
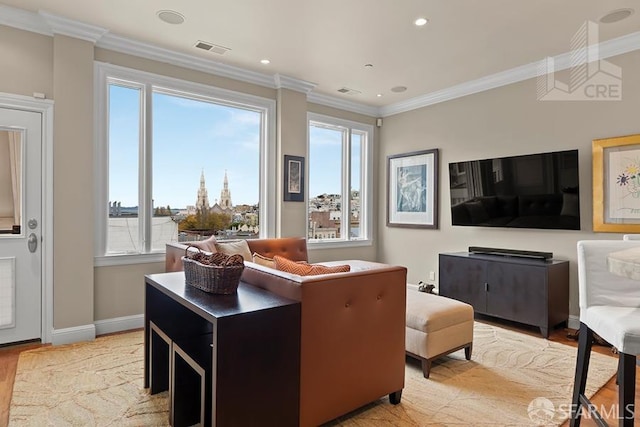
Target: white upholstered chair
609, 287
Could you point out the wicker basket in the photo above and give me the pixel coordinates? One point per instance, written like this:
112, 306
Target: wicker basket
216, 273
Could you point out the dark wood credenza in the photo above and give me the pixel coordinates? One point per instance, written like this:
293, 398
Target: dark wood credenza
227, 360
529, 291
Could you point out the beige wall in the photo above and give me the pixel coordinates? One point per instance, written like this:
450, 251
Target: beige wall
502, 122
119, 290
26, 62
73, 212
292, 141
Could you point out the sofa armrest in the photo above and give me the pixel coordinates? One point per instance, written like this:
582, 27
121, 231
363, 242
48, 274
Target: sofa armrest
272, 280
173, 257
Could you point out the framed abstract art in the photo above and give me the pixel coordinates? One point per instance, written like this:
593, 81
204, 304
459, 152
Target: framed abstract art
412, 189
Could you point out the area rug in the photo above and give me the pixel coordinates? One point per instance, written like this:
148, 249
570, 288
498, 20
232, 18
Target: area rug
513, 379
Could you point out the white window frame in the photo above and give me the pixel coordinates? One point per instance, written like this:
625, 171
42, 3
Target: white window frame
366, 176
106, 74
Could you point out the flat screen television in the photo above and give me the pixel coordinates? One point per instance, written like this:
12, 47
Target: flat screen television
528, 191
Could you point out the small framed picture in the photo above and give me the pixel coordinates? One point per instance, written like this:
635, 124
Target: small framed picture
616, 184
412, 189
293, 178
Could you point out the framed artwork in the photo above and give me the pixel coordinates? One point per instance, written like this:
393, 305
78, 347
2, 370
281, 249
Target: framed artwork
616, 184
412, 189
293, 178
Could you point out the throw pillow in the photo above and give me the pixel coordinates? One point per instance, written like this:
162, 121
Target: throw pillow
232, 247
263, 260
304, 269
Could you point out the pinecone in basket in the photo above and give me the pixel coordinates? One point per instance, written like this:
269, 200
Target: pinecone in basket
201, 257
217, 258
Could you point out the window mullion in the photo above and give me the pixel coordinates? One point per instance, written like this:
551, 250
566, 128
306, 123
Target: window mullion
346, 184
145, 212
364, 187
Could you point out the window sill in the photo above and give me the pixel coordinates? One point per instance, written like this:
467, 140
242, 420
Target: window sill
111, 260
337, 244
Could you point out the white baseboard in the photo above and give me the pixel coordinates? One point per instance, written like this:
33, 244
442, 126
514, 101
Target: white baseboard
574, 322
74, 334
100, 327
119, 324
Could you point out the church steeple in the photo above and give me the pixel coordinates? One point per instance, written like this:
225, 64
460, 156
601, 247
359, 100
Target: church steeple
203, 199
225, 194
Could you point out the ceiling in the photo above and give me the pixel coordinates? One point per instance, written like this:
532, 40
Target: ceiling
328, 42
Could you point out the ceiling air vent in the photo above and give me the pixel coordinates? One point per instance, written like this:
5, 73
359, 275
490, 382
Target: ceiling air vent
220, 50
348, 91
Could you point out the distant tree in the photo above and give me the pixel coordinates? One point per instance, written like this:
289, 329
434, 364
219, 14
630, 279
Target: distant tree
205, 220
162, 211
189, 223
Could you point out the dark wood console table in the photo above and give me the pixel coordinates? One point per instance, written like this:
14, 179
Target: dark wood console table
529, 291
227, 360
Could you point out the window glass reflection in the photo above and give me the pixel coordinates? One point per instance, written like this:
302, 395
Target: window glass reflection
10, 181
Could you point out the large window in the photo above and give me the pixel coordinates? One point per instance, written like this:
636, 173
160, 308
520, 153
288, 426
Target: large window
178, 161
339, 180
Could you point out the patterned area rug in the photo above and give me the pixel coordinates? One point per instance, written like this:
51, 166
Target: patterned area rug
513, 379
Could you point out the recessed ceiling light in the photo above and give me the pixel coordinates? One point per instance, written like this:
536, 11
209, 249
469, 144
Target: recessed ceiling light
421, 21
398, 89
170, 16
616, 15
379, 95
265, 61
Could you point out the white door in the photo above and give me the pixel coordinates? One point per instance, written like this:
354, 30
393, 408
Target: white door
20, 225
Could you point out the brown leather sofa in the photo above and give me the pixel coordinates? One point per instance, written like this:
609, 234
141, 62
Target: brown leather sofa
353, 328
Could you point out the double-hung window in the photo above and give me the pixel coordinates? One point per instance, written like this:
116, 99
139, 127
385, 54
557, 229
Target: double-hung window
178, 161
340, 165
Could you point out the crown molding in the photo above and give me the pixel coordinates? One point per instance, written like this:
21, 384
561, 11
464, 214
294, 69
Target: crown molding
343, 104
71, 28
49, 24
145, 50
24, 20
606, 49
286, 82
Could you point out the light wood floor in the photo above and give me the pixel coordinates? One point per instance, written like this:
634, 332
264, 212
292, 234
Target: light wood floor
607, 396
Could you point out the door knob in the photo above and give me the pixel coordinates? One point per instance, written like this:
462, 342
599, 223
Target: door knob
32, 242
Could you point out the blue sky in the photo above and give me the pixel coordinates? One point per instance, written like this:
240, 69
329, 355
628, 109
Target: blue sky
192, 136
